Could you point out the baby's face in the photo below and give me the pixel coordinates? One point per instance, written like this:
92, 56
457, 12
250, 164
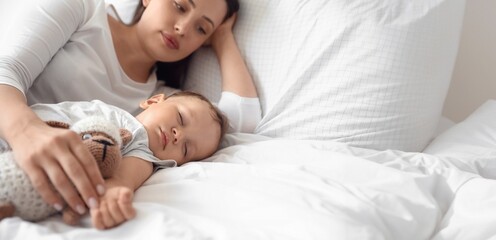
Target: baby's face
181, 128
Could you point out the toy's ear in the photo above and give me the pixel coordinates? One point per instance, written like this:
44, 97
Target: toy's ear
126, 136
57, 124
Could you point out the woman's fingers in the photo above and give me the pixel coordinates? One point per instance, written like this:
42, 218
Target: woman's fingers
83, 172
90, 165
58, 162
63, 185
230, 21
222, 32
42, 185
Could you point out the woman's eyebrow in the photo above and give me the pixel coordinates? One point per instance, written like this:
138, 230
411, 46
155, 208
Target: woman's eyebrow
209, 20
193, 4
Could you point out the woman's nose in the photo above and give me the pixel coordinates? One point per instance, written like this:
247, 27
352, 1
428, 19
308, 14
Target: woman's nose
178, 30
181, 28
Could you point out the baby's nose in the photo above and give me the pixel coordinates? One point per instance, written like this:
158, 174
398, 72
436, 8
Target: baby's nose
177, 135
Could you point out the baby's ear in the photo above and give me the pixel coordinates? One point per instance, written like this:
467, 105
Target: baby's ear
57, 124
126, 136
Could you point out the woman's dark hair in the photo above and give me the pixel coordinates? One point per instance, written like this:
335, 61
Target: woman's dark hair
174, 73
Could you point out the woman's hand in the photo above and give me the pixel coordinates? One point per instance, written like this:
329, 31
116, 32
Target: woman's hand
222, 32
115, 208
58, 165
235, 75
55, 160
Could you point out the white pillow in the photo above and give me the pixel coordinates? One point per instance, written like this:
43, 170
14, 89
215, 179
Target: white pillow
372, 73
470, 144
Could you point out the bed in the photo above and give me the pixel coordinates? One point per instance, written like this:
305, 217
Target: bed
349, 146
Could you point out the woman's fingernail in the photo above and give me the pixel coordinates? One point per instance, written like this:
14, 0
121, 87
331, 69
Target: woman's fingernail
80, 209
100, 189
93, 203
58, 207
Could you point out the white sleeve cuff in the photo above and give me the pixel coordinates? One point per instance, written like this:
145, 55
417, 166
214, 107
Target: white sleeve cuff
243, 113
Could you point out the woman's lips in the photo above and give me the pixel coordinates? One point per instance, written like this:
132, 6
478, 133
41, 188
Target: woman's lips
170, 41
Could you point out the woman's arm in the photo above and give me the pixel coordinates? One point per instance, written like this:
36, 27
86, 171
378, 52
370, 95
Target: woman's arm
239, 100
48, 155
33, 33
235, 75
116, 205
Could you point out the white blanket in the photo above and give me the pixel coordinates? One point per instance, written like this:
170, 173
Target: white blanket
265, 188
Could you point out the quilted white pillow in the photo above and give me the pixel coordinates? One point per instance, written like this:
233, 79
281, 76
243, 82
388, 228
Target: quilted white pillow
372, 73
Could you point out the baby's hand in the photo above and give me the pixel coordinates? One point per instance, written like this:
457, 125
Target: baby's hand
115, 208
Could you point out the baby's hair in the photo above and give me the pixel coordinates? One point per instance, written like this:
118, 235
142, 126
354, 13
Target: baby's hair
217, 115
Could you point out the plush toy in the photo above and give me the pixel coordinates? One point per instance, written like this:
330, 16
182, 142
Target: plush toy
19, 198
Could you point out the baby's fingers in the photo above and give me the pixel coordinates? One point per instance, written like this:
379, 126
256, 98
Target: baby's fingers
107, 219
97, 219
102, 218
125, 204
114, 210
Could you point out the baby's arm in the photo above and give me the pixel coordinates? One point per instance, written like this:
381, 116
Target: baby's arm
116, 205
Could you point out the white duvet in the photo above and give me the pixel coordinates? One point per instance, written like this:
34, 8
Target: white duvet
265, 188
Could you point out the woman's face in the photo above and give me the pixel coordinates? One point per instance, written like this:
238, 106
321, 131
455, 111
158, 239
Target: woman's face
170, 30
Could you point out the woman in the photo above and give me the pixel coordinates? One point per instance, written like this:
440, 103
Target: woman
61, 50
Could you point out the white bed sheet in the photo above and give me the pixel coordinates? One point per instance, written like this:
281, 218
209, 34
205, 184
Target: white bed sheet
266, 188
